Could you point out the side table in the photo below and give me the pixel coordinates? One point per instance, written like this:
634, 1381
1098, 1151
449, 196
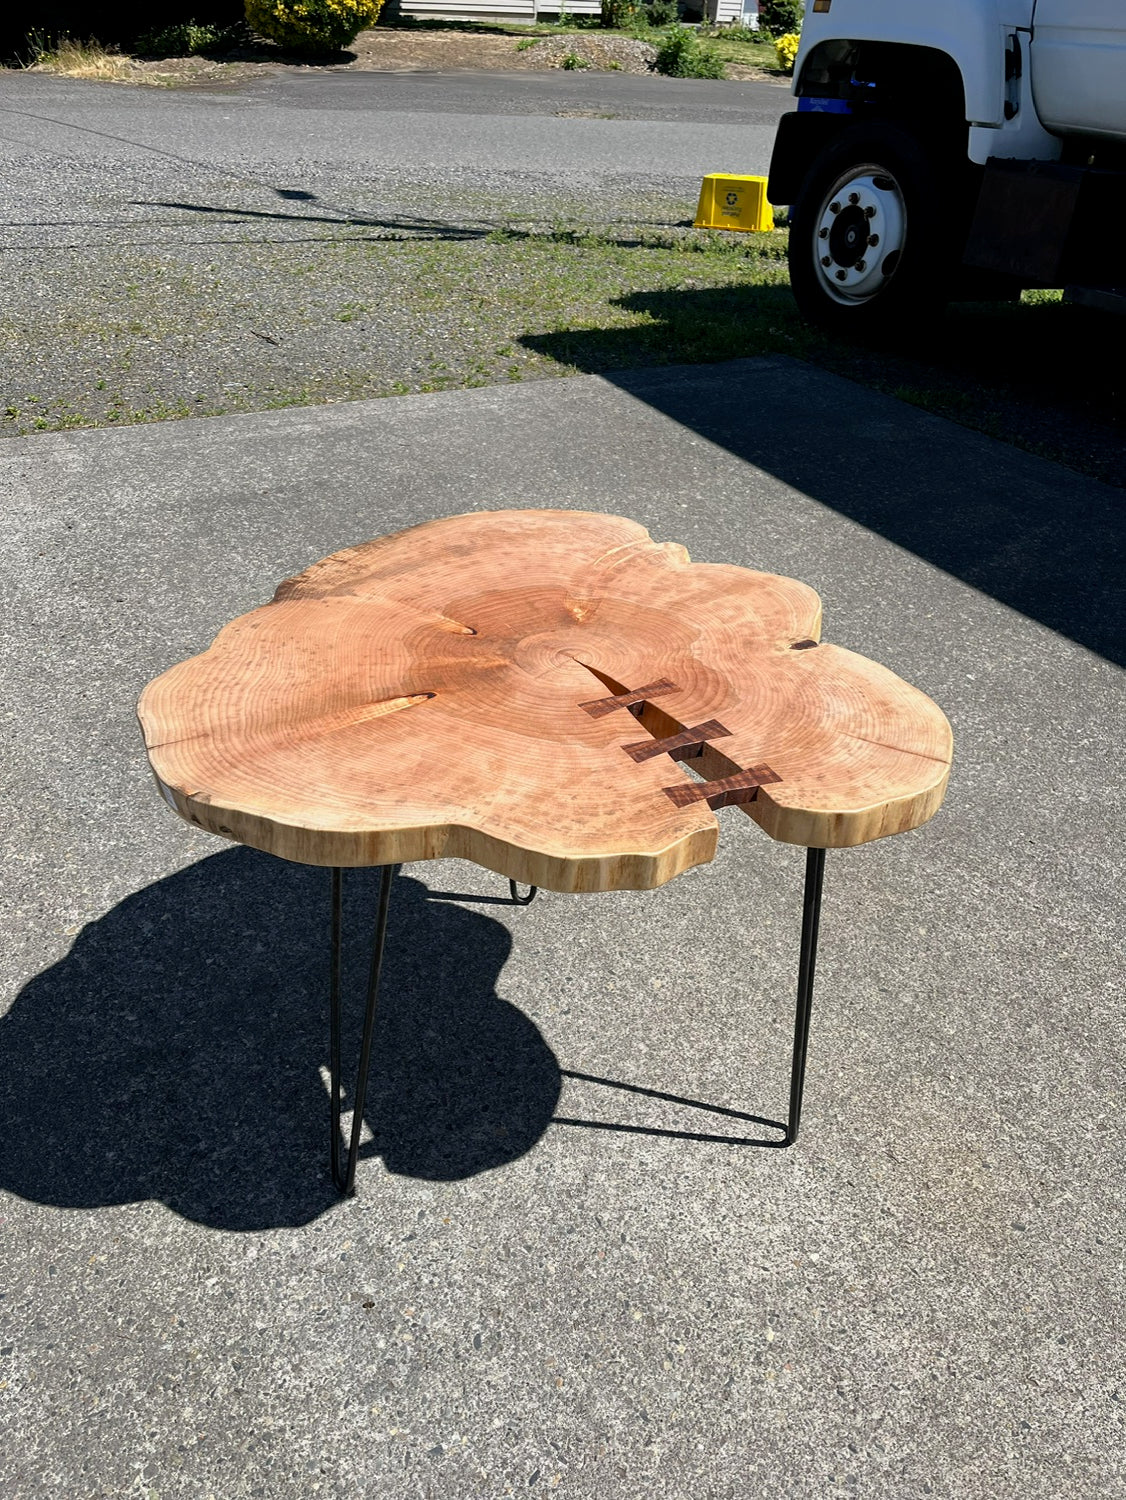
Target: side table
552, 695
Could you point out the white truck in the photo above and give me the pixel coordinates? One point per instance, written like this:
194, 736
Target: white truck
954, 149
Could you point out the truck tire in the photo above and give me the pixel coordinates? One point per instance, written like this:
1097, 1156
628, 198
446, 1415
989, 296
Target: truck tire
877, 233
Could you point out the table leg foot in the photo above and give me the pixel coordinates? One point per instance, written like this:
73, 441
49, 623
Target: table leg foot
517, 898
807, 963
344, 1175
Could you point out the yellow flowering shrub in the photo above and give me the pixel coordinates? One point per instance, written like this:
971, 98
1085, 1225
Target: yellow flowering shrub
312, 25
786, 49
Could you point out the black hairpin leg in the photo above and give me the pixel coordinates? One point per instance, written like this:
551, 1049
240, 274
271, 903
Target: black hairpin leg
807, 963
346, 1180
517, 898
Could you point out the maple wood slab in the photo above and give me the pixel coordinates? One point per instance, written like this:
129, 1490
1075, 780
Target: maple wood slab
449, 691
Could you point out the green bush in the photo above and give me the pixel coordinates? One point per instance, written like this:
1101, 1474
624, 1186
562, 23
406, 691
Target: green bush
780, 17
620, 15
184, 38
312, 25
680, 55
662, 12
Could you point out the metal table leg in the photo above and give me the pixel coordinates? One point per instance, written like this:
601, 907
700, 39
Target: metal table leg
807, 963
346, 1180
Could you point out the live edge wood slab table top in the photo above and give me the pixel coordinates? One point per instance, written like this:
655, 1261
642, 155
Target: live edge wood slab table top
552, 695
548, 693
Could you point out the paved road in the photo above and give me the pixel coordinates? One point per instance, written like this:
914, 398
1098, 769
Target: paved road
626, 96
924, 1299
69, 150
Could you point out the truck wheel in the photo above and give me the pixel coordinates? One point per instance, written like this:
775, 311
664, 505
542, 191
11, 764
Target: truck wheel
877, 232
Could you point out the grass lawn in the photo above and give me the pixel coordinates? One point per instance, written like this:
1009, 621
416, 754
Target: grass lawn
365, 313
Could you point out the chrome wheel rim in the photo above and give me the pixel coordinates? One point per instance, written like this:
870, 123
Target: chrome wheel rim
860, 233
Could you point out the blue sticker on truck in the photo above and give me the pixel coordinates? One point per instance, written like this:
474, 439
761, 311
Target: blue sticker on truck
815, 104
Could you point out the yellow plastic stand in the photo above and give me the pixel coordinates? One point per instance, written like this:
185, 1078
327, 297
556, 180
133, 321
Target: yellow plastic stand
733, 203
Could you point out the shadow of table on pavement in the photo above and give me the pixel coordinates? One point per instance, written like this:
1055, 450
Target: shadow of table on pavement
179, 1051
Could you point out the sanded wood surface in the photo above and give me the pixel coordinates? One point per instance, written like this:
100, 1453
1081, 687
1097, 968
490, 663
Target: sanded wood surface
492, 686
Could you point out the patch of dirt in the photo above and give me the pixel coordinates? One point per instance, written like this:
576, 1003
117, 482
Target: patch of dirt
610, 54
389, 49
201, 70
746, 74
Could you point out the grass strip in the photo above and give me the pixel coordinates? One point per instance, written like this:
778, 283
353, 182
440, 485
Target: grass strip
365, 313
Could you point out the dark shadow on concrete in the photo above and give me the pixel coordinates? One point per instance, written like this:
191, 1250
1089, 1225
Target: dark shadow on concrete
176, 1052
1041, 539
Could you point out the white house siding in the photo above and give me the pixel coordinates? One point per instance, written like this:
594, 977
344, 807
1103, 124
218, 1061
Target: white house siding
526, 12
732, 12
572, 7
523, 12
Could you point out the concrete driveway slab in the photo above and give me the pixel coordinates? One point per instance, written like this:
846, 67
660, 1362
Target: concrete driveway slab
548, 1282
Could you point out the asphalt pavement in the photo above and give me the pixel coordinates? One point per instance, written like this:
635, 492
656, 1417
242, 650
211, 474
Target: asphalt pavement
80, 146
550, 1281
751, 107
